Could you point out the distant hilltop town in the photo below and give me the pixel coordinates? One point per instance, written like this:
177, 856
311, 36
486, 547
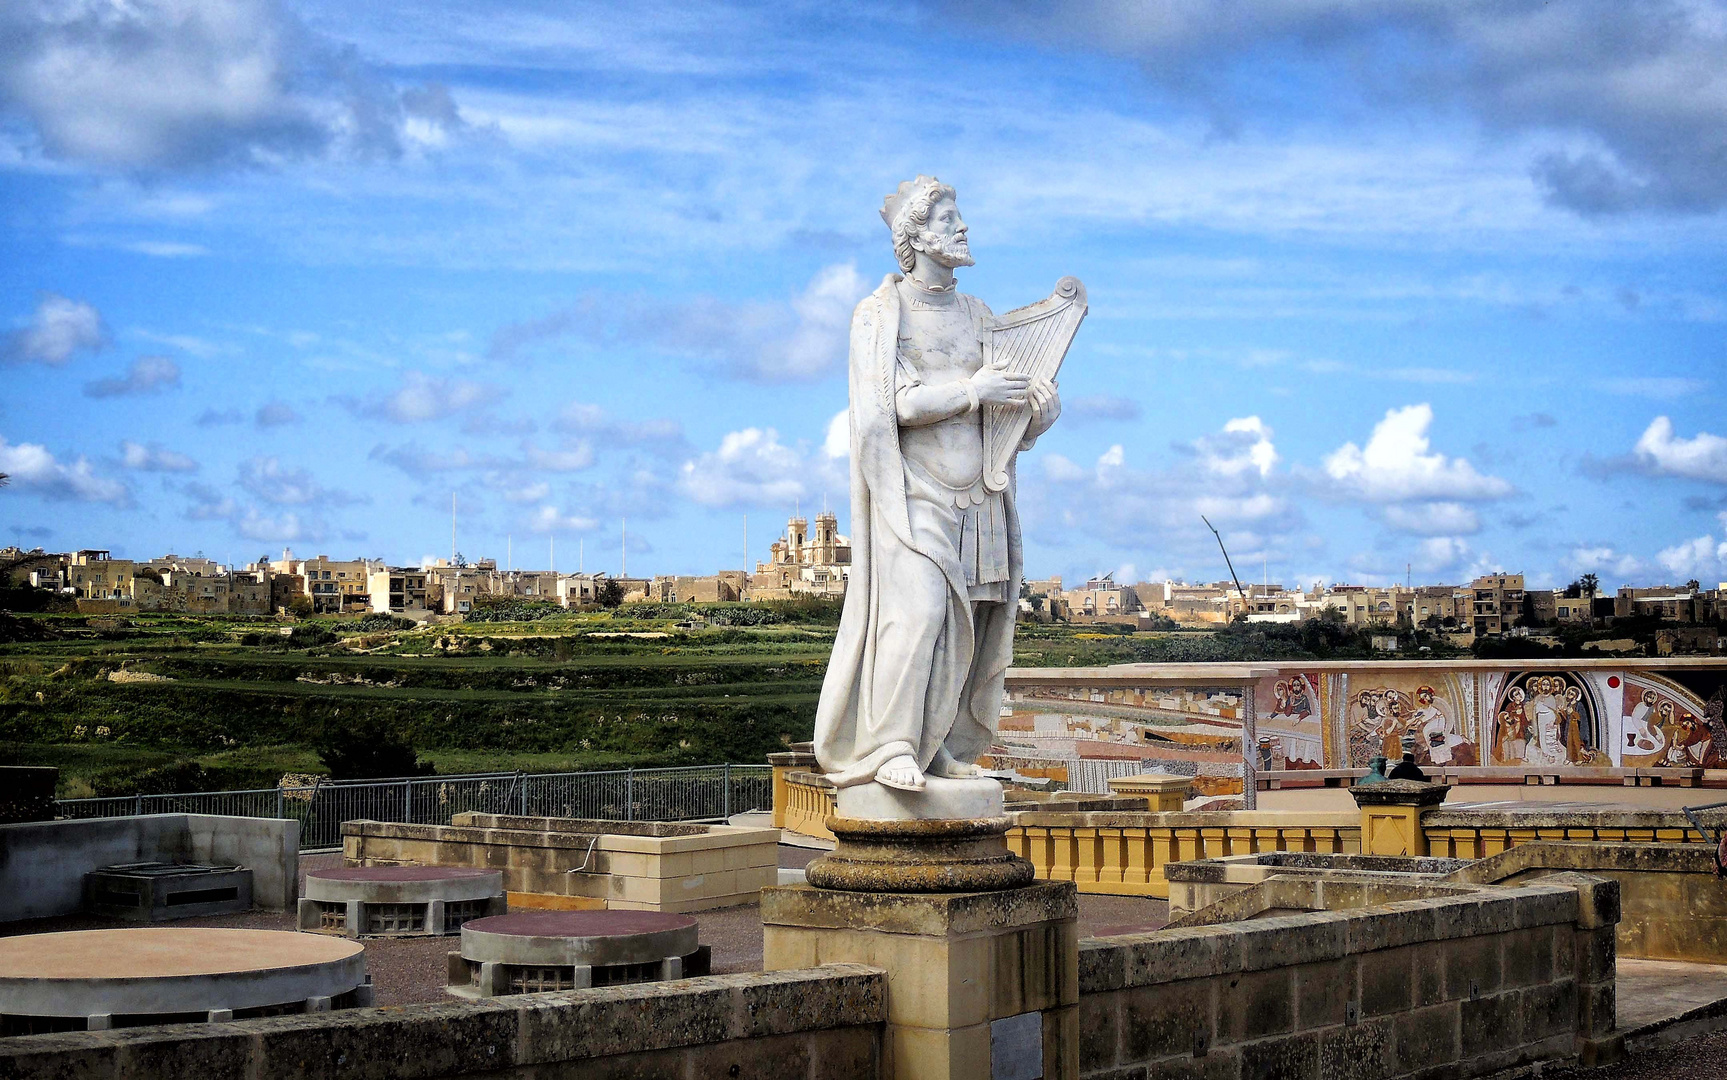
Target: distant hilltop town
806, 562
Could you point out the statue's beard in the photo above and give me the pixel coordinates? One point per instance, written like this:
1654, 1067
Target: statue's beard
949, 251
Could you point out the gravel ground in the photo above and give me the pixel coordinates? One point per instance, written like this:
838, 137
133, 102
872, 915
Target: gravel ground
1701, 1058
408, 970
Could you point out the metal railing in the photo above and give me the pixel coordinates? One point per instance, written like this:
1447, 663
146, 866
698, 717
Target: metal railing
679, 793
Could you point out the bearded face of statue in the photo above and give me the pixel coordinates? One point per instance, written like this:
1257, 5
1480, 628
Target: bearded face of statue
943, 237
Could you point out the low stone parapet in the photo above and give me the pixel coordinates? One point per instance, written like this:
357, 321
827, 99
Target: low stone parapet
651, 866
824, 1022
1466, 984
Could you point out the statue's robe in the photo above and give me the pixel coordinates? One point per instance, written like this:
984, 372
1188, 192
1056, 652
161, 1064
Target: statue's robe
917, 663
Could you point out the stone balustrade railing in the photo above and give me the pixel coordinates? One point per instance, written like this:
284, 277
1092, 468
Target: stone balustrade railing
1125, 853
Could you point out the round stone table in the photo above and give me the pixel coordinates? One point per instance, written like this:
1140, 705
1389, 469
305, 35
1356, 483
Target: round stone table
163, 974
393, 901
528, 951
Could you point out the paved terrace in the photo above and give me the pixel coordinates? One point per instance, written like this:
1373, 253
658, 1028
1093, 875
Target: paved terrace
1674, 1015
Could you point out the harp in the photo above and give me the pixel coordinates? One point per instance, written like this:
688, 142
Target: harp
1033, 340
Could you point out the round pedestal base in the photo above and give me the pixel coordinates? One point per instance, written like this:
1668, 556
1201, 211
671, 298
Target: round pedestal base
929, 856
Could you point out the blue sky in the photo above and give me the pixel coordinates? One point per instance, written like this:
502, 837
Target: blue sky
1373, 285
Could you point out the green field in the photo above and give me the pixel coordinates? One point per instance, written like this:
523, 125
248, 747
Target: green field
181, 702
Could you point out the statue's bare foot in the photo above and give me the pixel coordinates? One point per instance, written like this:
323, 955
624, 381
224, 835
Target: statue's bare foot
948, 767
902, 773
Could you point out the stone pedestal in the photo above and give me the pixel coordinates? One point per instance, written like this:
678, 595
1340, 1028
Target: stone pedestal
981, 985
1391, 815
1162, 791
920, 856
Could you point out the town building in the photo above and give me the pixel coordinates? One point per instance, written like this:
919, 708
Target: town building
805, 562
397, 590
1497, 603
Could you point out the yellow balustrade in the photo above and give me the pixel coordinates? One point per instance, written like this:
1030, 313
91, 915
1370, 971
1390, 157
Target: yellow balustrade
1125, 853
808, 801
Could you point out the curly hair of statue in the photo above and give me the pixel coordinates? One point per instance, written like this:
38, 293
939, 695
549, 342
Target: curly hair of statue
906, 212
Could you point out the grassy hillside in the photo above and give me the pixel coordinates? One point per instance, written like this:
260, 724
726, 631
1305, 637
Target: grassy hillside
185, 702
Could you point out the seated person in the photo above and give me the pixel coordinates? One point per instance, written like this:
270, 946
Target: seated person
1407, 769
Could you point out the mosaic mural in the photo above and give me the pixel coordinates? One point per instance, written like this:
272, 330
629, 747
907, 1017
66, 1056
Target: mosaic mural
1547, 718
1433, 709
1342, 716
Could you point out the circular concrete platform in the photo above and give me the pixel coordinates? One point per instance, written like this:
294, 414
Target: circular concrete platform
402, 884
159, 971
588, 938
393, 901
529, 951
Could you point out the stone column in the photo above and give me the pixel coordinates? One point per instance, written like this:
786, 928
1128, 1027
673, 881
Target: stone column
982, 961
1391, 815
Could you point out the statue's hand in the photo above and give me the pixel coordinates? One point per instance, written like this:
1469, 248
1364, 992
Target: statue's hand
997, 386
1045, 407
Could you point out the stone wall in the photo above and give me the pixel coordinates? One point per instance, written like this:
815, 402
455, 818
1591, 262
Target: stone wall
1461, 985
1673, 904
643, 866
823, 1023
43, 863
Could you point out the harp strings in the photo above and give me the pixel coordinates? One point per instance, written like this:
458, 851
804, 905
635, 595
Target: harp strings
1029, 348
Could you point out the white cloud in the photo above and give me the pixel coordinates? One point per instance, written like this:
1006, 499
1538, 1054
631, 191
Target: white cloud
1244, 445
270, 480
273, 414
800, 338
1396, 466
1432, 519
838, 442
1227, 476
750, 468
527, 493
573, 457
281, 528
154, 458
1701, 457
58, 329
549, 519
147, 375
1099, 407
1441, 553
660, 435
423, 397
1701, 558
33, 468
1602, 559
1634, 89
183, 84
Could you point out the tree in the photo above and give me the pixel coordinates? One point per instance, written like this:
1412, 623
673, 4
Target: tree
609, 593
1590, 584
4, 479
368, 750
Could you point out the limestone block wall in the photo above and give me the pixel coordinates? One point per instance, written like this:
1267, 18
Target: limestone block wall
1474, 983
642, 866
820, 1024
1673, 906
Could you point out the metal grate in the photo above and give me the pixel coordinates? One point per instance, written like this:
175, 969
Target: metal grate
457, 912
332, 915
538, 980
395, 918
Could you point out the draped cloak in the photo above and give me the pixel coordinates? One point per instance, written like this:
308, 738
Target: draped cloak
910, 672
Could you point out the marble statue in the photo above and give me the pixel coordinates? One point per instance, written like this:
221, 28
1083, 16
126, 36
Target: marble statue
944, 395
